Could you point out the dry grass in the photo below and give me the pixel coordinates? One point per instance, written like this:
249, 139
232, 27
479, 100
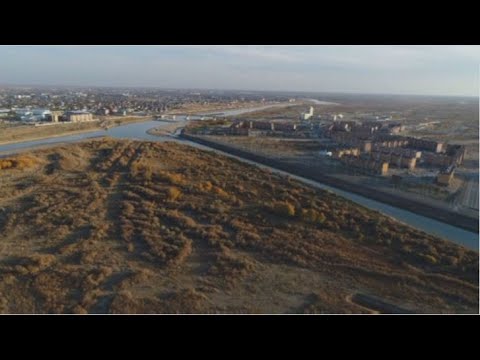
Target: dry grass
173, 193
283, 208
138, 227
17, 162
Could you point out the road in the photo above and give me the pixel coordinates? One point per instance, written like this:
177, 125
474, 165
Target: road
469, 196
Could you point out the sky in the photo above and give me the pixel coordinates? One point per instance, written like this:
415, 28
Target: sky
383, 69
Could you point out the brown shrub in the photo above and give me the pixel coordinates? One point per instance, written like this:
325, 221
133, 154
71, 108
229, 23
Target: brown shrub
171, 178
34, 263
136, 277
78, 309
97, 276
173, 193
247, 238
186, 301
180, 219
283, 208
183, 253
205, 186
313, 216
230, 266
128, 208
147, 173
6, 164
220, 192
18, 162
429, 259
135, 169
451, 260
123, 302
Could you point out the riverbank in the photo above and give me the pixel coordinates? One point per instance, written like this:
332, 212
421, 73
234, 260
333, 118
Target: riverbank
75, 132
167, 130
18, 134
8, 153
443, 215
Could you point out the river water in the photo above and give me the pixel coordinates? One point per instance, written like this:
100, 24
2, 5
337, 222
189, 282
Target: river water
245, 110
319, 102
139, 131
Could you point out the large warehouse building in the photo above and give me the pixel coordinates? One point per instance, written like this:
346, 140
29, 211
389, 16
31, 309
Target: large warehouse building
78, 116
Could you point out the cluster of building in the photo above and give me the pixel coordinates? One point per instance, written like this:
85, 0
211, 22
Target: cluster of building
366, 164
379, 142
38, 115
258, 128
307, 115
374, 117
112, 110
118, 101
445, 175
452, 155
33, 115
396, 157
339, 152
78, 116
373, 145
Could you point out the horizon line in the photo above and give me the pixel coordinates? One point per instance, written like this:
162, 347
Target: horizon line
232, 89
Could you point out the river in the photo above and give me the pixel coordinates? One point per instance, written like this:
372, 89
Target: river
244, 110
139, 131
319, 102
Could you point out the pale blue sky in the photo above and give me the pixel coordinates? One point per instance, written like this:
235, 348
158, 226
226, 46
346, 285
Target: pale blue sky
436, 70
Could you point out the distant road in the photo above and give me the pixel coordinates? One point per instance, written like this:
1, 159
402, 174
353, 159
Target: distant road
469, 196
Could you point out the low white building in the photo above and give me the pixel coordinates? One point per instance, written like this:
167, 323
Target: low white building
307, 115
42, 114
78, 116
33, 115
23, 112
4, 112
325, 153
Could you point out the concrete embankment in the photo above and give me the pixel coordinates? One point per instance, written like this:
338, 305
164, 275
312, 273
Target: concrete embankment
443, 215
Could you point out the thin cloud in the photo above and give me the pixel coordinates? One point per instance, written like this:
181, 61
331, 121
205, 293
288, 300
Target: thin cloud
407, 68
356, 57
